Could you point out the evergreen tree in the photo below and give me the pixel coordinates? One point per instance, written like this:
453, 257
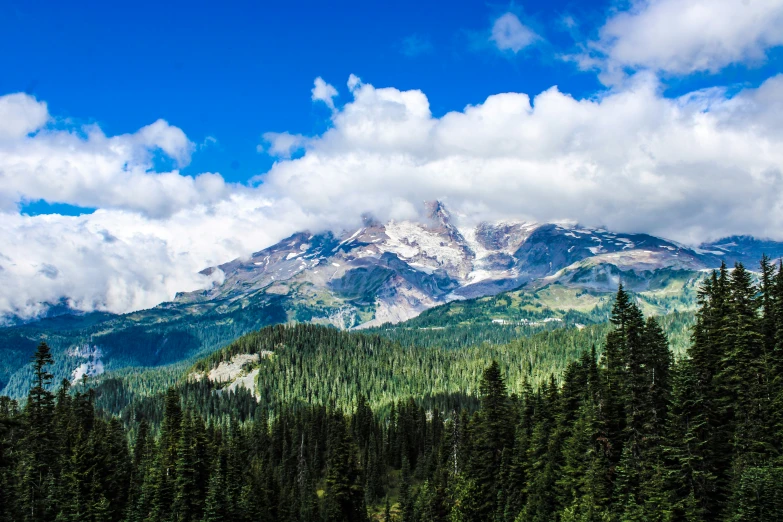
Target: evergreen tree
492, 433
215, 504
169, 438
344, 495
743, 376
406, 495
759, 495
187, 497
39, 442
701, 427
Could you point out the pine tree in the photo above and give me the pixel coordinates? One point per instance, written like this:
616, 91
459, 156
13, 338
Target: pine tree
387, 516
775, 360
544, 457
140, 469
613, 396
584, 477
466, 503
169, 438
216, 505
344, 496
10, 425
519, 468
492, 434
406, 495
187, 504
742, 377
759, 495
658, 368
39, 444
115, 474
701, 427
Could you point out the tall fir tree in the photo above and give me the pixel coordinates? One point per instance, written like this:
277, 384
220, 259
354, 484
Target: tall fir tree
39, 447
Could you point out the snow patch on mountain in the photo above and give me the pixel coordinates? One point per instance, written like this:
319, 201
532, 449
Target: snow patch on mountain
411, 240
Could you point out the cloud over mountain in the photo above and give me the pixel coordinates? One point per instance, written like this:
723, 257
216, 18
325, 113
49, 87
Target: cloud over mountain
692, 167
702, 165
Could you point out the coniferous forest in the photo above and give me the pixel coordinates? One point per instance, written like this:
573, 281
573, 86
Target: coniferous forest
624, 432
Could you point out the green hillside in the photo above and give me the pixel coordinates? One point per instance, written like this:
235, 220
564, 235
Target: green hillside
168, 335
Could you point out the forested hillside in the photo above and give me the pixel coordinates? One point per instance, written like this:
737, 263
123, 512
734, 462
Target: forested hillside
326, 366
178, 334
630, 434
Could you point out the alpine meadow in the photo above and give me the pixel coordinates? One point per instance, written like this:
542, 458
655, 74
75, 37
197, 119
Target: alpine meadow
533, 272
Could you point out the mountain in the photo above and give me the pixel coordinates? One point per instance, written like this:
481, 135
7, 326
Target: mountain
391, 272
510, 271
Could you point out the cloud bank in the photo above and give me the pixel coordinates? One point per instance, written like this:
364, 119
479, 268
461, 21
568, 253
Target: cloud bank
700, 166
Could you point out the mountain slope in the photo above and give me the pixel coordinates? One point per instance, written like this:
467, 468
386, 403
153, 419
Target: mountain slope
394, 271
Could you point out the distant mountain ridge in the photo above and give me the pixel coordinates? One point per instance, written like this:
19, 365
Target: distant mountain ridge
387, 273
394, 271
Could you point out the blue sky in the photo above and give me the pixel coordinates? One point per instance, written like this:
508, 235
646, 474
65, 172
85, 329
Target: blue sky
233, 70
143, 142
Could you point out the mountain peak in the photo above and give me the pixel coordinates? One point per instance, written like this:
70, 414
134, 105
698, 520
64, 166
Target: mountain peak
437, 211
392, 271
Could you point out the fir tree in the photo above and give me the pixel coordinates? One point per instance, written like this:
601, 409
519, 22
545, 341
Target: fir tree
344, 496
406, 495
492, 434
39, 444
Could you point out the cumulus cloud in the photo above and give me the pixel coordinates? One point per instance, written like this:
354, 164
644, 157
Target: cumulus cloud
20, 115
686, 36
119, 261
282, 144
510, 34
701, 166
84, 167
324, 92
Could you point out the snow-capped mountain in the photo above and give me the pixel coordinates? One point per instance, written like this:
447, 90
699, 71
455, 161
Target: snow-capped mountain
391, 272
385, 272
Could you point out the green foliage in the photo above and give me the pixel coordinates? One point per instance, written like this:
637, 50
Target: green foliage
599, 423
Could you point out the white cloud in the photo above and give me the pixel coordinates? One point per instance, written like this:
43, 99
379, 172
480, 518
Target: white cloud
282, 144
698, 167
119, 261
686, 36
20, 115
689, 168
353, 82
170, 140
84, 167
324, 92
510, 34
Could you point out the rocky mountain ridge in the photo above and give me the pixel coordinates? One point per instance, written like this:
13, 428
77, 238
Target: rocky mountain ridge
392, 272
